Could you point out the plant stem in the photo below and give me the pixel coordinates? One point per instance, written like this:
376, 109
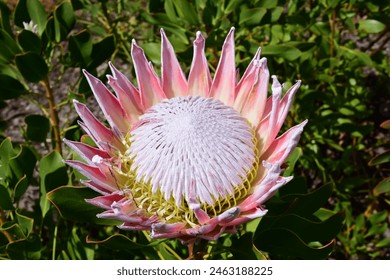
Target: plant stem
53, 256
54, 119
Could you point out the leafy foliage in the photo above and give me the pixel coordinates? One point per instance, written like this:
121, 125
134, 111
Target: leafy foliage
336, 206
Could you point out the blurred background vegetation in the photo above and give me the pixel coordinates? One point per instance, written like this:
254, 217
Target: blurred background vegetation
337, 206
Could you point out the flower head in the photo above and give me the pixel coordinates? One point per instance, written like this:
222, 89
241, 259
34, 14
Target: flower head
186, 158
30, 26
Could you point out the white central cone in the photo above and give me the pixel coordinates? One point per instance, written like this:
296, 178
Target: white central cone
192, 147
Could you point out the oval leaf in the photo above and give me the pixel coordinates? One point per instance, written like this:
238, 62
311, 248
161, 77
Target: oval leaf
371, 26
32, 66
37, 127
29, 41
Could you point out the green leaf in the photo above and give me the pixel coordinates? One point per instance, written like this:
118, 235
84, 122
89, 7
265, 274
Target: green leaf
27, 249
64, 20
10, 88
29, 41
268, 3
102, 51
26, 223
383, 243
13, 229
23, 163
4, 17
32, 66
286, 244
380, 159
378, 217
186, 11
8, 47
285, 51
305, 229
70, 202
382, 187
80, 47
250, 17
232, 6
37, 127
7, 152
242, 248
152, 51
5, 199
291, 161
20, 187
52, 173
21, 13
371, 26
307, 204
37, 14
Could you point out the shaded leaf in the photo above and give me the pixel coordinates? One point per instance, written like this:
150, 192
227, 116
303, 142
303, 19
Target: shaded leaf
31, 66
8, 47
26, 223
37, 127
382, 187
10, 88
20, 187
52, 173
102, 50
5, 199
251, 17
70, 203
80, 47
27, 249
29, 41
380, 159
286, 244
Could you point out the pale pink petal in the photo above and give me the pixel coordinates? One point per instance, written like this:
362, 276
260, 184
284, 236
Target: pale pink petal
95, 129
199, 79
113, 111
85, 151
93, 173
248, 80
224, 83
148, 84
282, 146
173, 80
266, 130
254, 104
265, 188
250, 215
127, 94
285, 104
105, 201
102, 189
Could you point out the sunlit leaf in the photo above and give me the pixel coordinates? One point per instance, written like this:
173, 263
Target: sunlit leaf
371, 26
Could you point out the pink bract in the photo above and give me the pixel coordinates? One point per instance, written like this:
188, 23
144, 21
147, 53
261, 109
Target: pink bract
186, 158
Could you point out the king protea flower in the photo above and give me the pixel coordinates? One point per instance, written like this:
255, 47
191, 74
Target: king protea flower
186, 158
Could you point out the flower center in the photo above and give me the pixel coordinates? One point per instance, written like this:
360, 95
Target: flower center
192, 147
188, 148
